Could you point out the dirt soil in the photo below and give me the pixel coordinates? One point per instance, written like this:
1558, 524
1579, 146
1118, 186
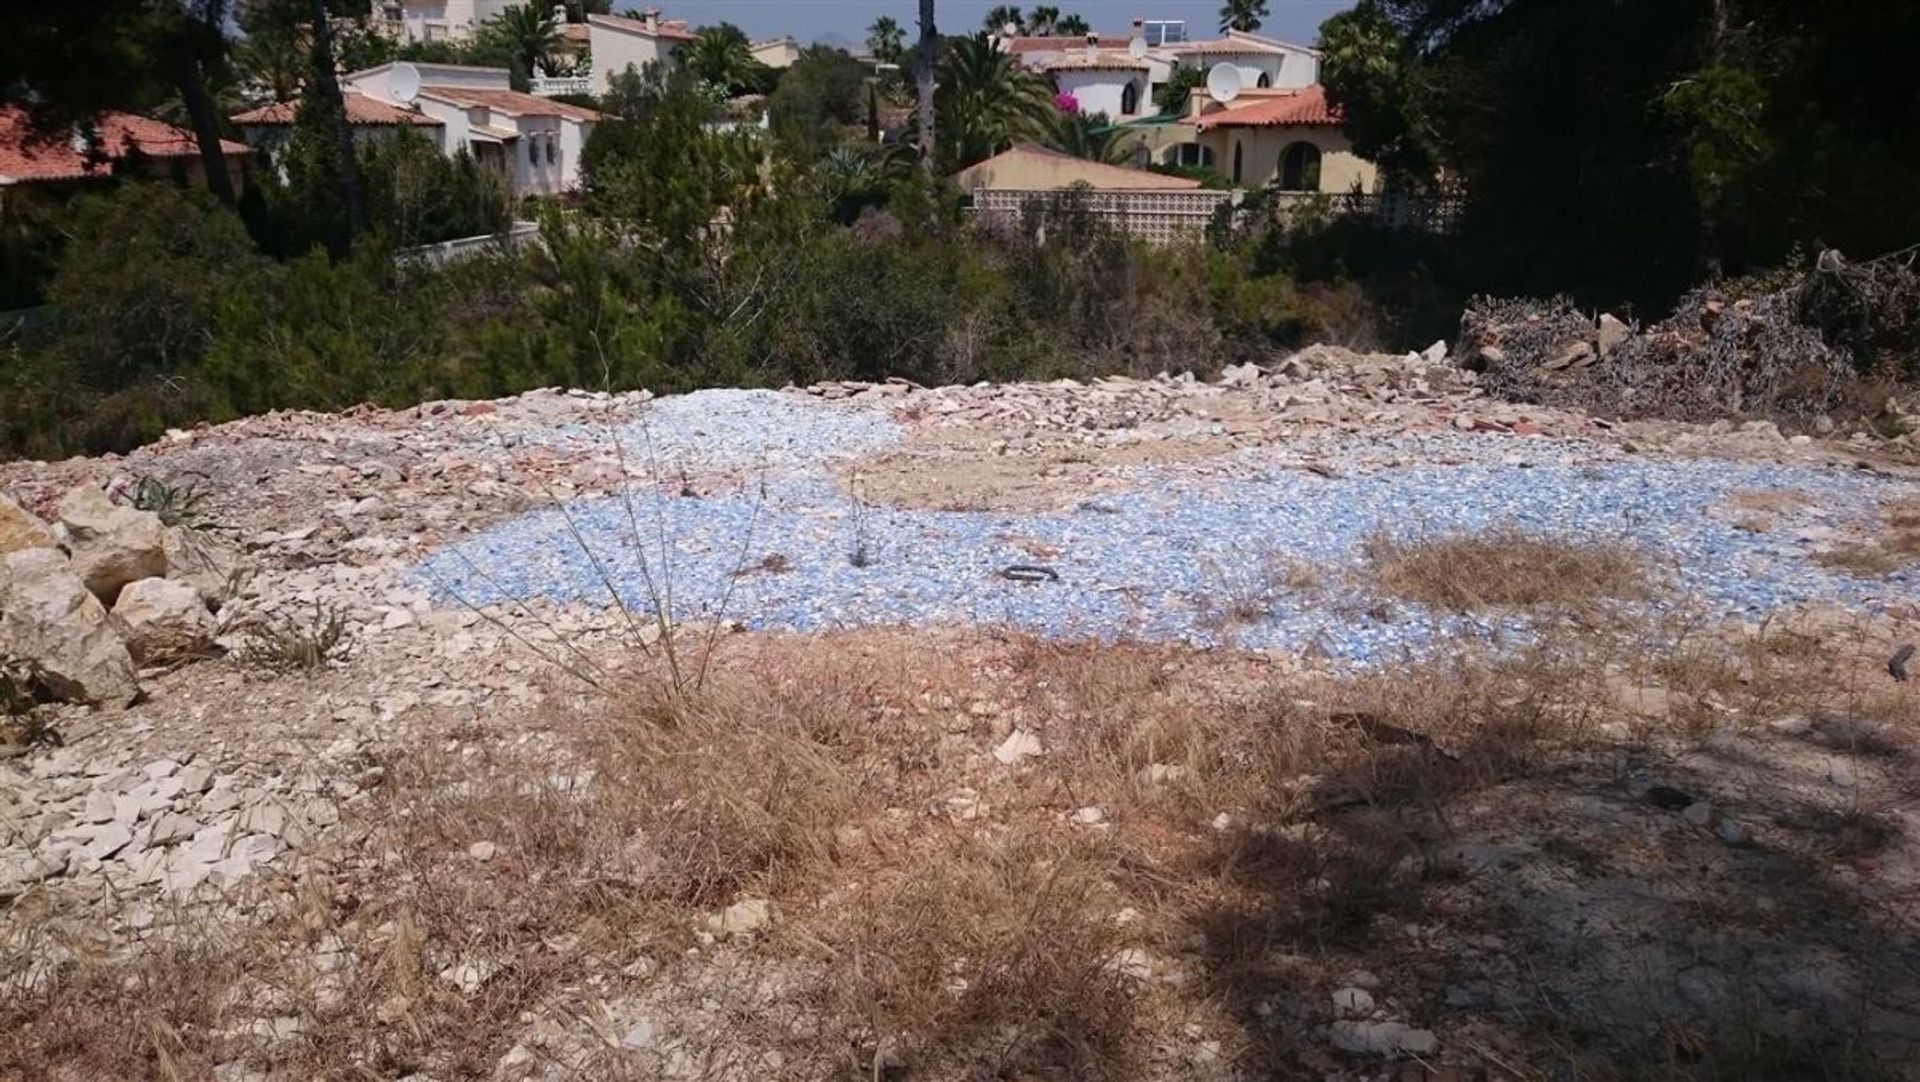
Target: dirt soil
535, 842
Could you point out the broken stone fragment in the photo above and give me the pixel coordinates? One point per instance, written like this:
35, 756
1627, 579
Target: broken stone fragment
20, 529
50, 619
164, 621
112, 545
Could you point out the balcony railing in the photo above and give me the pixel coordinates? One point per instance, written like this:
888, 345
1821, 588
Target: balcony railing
549, 86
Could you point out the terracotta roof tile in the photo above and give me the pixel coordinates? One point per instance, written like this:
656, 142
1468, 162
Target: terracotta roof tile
1058, 43
26, 155
1078, 60
670, 29
510, 102
361, 109
1307, 106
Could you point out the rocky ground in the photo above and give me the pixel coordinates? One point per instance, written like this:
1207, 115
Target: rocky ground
340, 760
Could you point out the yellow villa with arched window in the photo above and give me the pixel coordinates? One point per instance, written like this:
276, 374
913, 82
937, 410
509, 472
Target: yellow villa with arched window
1286, 139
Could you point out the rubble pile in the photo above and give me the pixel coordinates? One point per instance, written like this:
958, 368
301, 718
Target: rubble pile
88, 598
1713, 358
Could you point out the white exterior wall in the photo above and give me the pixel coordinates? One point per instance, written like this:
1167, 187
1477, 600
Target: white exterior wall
1283, 70
614, 50
453, 131
1098, 91
535, 175
378, 82
573, 142
442, 20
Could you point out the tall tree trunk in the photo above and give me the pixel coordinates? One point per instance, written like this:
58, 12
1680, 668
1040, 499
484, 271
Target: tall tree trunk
1707, 235
185, 31
191, 81
929, 48
329, 88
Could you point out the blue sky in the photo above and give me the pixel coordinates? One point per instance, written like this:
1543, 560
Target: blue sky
807, 20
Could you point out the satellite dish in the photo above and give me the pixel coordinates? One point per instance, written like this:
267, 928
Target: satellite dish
1137, 48
1224, 82
404, 82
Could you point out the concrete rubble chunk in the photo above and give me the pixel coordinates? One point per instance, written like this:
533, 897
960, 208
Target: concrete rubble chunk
21, 529
164, 621
48, 618
1382, 1039
744, 917
1019, 744
112, 545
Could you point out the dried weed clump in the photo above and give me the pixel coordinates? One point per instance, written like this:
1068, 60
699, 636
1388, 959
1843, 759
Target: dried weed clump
1503, 568
988, 959
1896, 547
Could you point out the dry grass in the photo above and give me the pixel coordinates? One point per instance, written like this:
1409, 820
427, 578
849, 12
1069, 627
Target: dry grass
1265, 832
293, 644
1895, 548
1248, 589
1503, 568
985, 959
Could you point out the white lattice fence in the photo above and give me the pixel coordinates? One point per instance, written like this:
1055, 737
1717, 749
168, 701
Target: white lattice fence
1162, 217
1159, 217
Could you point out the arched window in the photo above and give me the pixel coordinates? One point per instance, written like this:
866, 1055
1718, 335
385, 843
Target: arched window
1300, 168
1130, 99
1236, 161
1266, 80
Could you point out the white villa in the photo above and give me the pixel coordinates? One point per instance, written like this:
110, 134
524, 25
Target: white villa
534, 142
1109, 74
619, 43
437, 20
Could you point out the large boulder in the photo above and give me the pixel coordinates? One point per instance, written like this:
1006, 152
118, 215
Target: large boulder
164, 620
20, 529
111, 545
49, 620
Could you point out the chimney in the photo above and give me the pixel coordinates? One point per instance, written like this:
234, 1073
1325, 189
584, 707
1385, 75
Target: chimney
1093, 46
1139, 27
650, 17
560, 14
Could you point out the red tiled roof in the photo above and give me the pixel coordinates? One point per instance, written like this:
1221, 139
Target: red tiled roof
361, 109
1307, 106
510, 102
27, 155
1078, 60
575, 32
1058, 43
671, 29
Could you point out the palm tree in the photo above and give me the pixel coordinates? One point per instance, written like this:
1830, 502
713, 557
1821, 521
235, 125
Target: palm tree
1242, 15
528, 32
1003, 16
1091, 136
1043, 21
721, 56
885, 40
1071, 26
986, 101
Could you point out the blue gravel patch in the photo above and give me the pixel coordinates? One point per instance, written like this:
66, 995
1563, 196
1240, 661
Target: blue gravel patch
1163, 558
727, 429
